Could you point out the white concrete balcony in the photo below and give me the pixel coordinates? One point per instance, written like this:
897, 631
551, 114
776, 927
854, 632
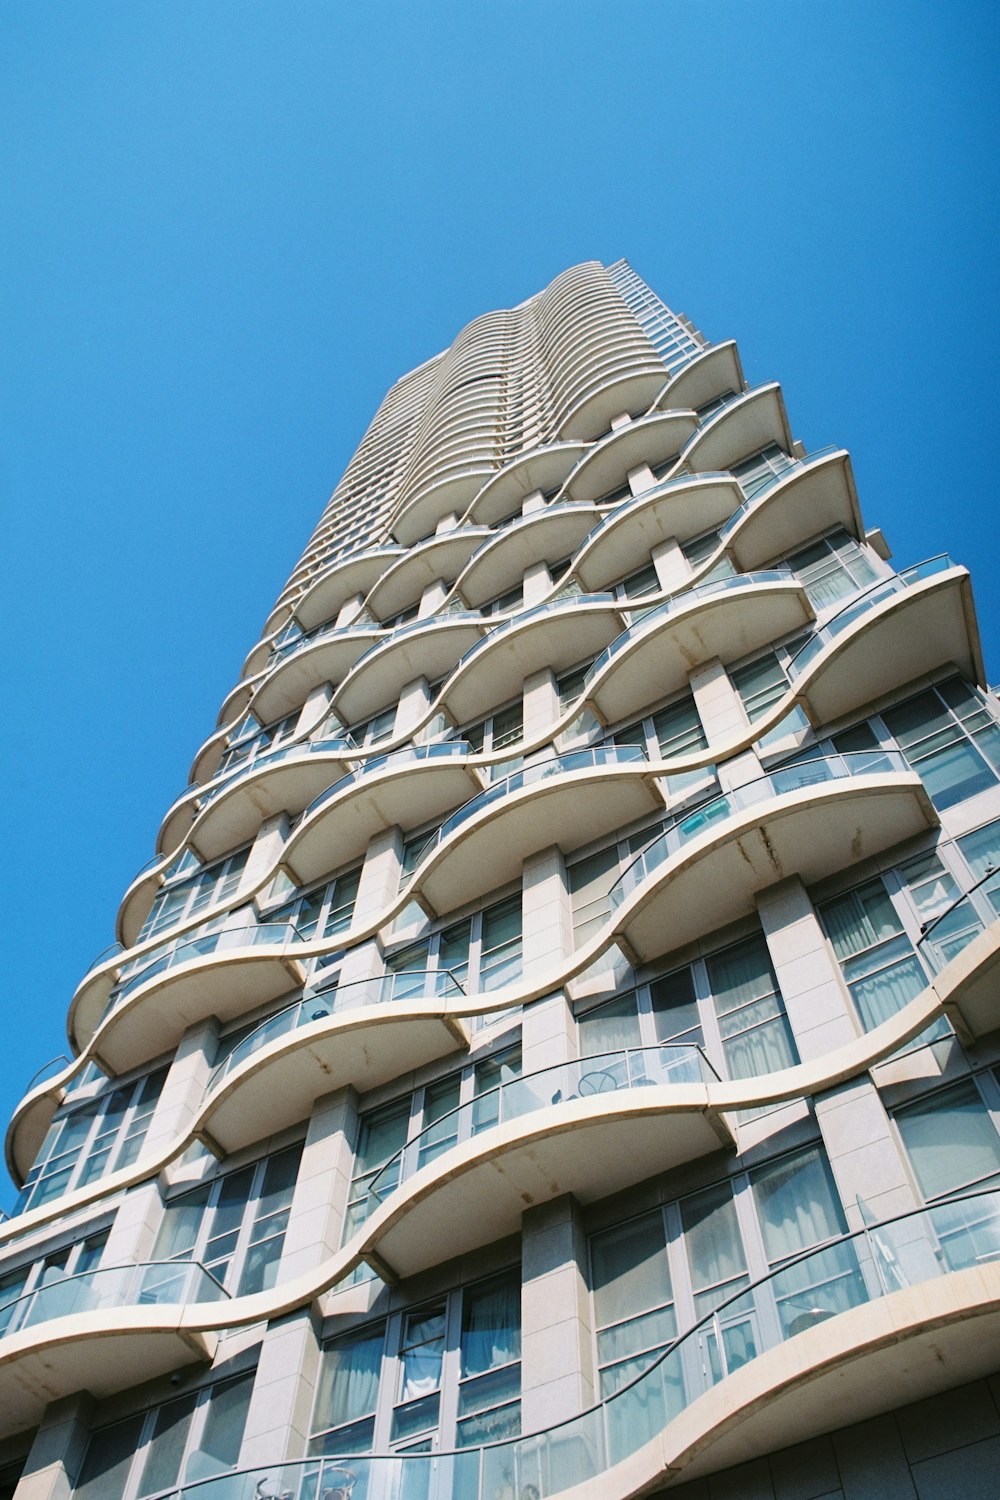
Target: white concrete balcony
138, 898
439, 558
726, 619
420, 514
429, 648
546, 536
628, 382
745, 425
800, 502
102, 1331
406, 788
708, 375
47, 1090
343, 580
679, 509
649, 440
570, 800
309, 661
811, 819
557, 634
364, 1034
542, 468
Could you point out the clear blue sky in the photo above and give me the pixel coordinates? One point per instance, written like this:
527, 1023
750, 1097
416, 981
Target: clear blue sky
230, 226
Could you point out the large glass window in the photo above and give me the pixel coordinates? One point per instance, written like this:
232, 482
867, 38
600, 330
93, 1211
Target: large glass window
184, 1440
701, 549
753, 1026
758, 472
210, 887
832, 568
92, 1140
949, 737
17, 1285
673, 732
482, 952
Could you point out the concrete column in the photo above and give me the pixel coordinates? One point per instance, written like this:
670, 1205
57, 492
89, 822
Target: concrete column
532, 502
265, 855
640, 478
314, 708
808, 974
541, 702
320, 1198
557, 1374
537, 583
672, 568
723, 718
622, 421
414, 701
432, 598
350, 610
548, 1029
58, 1449
277, 1426
379, 884
447, 523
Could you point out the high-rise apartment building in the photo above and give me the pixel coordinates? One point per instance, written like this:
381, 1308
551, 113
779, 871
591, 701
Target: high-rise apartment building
553, 1051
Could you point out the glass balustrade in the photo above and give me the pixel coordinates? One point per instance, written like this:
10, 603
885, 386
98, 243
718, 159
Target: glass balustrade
792, 778
199, 945
148, 1284
552, 606
409, 755
766, 485
335, 746
853, 1271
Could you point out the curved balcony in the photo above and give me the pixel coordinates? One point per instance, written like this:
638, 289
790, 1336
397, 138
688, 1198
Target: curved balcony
569, 801
138, 898
545, 536
345, 579
206, 762
421, 514
406, 788
726, 619
557, 634
966, 984
746, 424
284, 780
235, 703
365, 1034
811, 819
918, 620
649, 440
679, 508
223, 973
439, 558
427, 648
326, 657
102, 1331
706, 376
29, 1124
812, 496
589, 1127
628, 381
539, 469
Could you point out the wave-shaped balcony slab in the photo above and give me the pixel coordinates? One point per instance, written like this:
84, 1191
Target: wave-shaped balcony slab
267, 786
424, 648
649, 440
567, 802
440, 558
680, 508
708, 375
327, 659
969, 987
539, 469
407, 789
421, 514
555, 635
138, 898
345, 579
806, 500
225, 983
631, 391
927, 623
590, 1147
235, 703
86, 1333
367, 1047
744, 426
545, 536
725, 620
811, 832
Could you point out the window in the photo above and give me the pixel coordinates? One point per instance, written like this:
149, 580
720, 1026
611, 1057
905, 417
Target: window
643, 581
570, 685
949, 737
591, 878
70, 1260
210, 887
758, 472
444, 1374
251, 740
190, 1438
501, 729
762, 684
832, 568
701, 549
673, 732
322, 912
482, 952
235, 1226
506, 603
91, 1141
374, 730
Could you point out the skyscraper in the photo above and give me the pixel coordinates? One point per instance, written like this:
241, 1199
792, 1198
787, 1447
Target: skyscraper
553, 1050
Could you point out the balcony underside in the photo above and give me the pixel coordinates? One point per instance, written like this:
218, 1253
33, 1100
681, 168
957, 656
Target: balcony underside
234, 816
651, 440
324, 599
542, 469
419, 516
293, 679
811, 500
970, 986
442, 558
589, 1147
548, 537
378, 682
709, 375
633, 393
628, 537
748, 425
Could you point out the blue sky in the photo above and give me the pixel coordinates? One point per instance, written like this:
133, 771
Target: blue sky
230, 226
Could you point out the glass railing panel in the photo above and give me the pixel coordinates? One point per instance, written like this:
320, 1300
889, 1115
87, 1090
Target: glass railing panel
111, 1288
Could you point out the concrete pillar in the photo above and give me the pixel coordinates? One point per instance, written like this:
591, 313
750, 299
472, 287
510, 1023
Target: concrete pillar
548, 1029
640, 478
532, 502
57, 1452
277, 1426
432, 598
265, 855
447, 523
622, 421
314, 708
349, 610
541, 702
723, 719
319, 1202
414, 701
864, 1155
808, 974
673, 571
557, 1373
537, 584
379, 884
